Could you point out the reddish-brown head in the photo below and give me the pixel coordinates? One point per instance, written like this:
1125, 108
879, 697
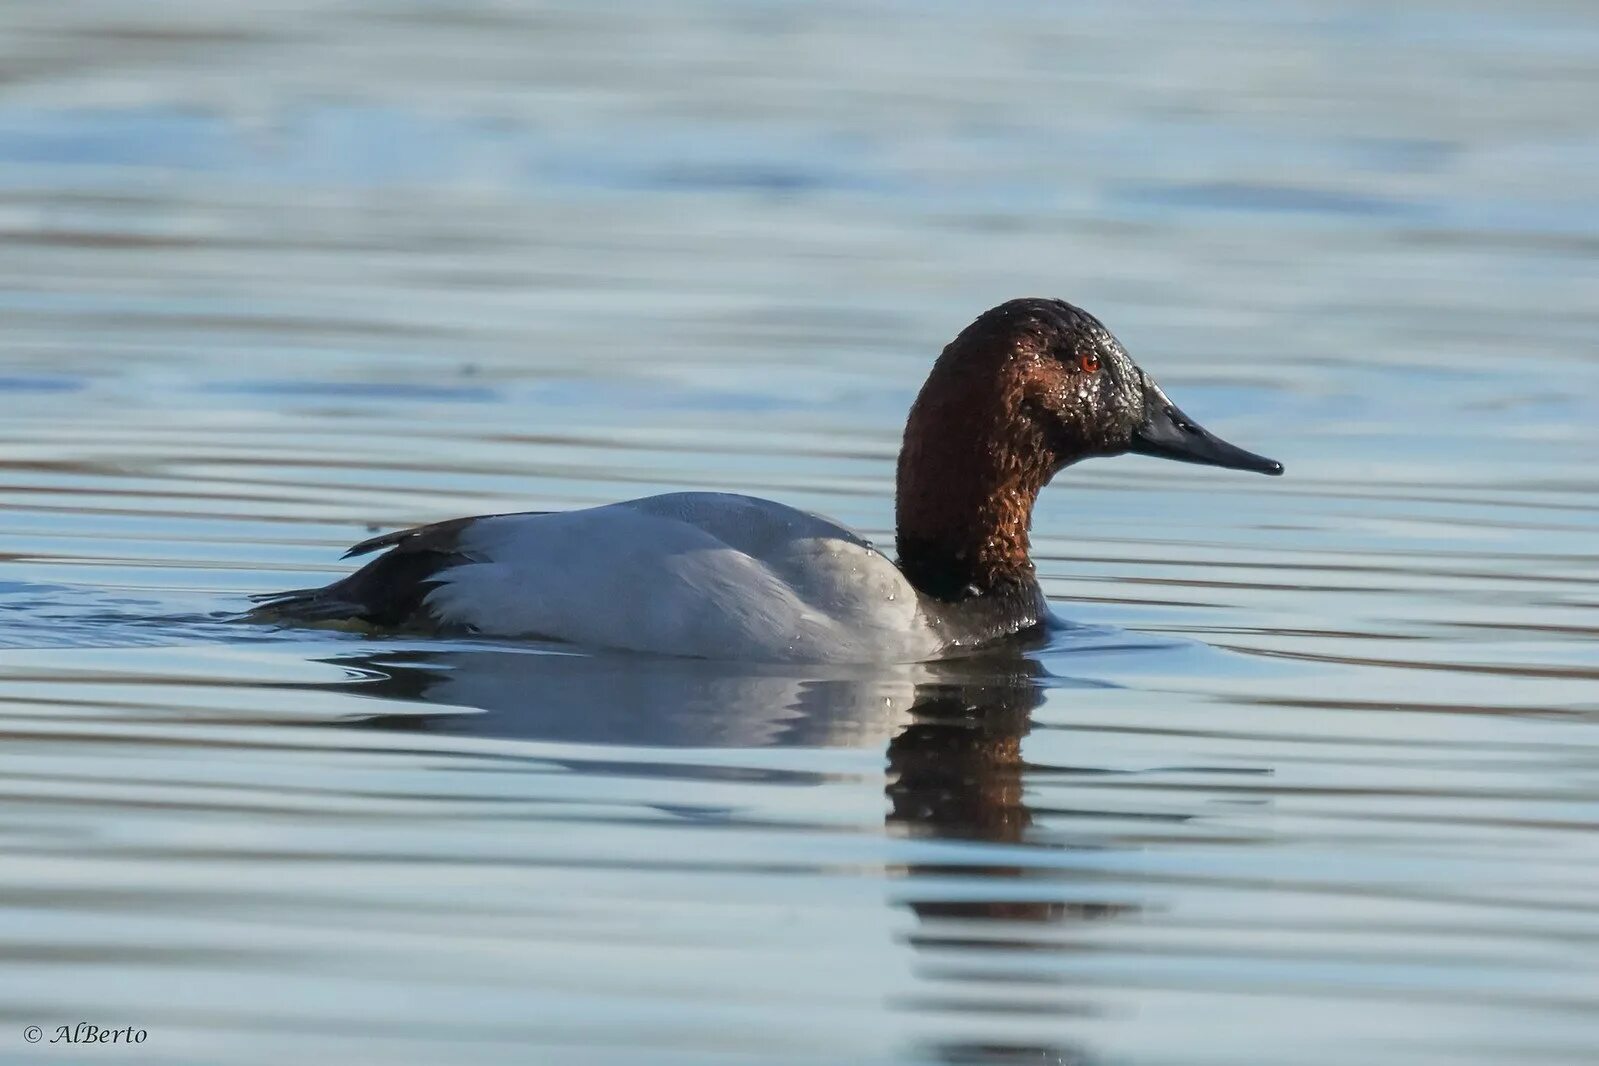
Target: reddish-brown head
1030, 387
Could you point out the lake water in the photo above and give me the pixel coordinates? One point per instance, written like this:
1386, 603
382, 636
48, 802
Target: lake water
1313, 779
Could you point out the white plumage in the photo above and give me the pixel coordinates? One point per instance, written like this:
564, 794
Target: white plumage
692, 573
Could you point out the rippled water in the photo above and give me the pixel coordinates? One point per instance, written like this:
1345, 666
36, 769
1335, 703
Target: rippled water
1314, 779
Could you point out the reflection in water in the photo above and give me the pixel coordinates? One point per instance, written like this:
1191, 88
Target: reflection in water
953, 730
633, 700
956, 772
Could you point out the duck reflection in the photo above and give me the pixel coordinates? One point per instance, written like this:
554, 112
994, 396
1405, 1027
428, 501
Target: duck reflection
633, 700
953, 731
956, 772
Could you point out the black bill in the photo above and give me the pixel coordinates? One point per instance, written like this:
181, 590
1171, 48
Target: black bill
1168, 433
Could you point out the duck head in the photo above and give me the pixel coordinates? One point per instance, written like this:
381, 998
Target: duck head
1026, 390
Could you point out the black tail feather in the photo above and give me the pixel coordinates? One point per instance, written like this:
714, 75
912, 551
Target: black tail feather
389, 591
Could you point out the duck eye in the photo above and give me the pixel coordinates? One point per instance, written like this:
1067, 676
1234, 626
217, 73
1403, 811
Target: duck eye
1089, 362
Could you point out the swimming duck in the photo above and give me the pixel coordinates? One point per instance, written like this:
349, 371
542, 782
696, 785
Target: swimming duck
1027, 389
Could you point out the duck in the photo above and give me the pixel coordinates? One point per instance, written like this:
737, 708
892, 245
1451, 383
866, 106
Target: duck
1029, 388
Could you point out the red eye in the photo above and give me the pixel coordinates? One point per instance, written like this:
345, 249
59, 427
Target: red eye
1089, 362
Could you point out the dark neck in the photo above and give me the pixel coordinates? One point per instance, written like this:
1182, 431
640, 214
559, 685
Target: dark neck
963, 508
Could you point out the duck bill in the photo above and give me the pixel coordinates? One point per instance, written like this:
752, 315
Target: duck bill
1169, 434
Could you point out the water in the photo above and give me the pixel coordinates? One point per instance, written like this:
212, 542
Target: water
1314, 779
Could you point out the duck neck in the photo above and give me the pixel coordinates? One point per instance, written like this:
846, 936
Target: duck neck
964, 505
